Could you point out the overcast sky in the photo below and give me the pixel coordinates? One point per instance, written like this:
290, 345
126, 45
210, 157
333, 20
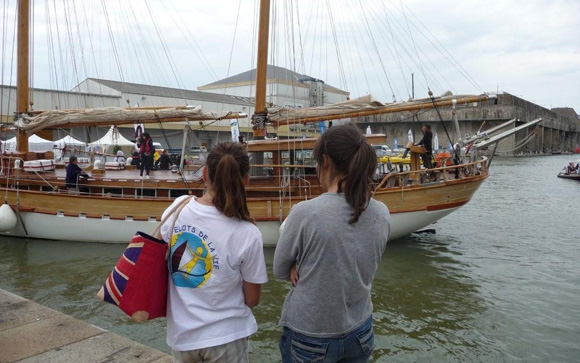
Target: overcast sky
527, 48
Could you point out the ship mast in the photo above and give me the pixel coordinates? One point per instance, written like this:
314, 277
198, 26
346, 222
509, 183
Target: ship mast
22, 80
260, 116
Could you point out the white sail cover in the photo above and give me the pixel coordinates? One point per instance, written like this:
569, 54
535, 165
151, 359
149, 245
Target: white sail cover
109, 116
361, 104
358, 104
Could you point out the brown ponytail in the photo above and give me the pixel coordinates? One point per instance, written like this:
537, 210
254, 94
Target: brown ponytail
354, 159
228, 164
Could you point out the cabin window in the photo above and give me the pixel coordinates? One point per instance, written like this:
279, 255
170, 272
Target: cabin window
306, 159
259, 162
176, 193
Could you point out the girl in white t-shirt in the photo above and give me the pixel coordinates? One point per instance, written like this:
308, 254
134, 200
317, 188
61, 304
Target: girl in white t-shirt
216, 265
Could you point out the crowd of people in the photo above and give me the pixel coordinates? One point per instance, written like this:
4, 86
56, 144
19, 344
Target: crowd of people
329, 250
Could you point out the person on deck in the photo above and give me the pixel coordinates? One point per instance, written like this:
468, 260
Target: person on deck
427, 143
164, 162
216, 263
146, 150
330, 248
73, 173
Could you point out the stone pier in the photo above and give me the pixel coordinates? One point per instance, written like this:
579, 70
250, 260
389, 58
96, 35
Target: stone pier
30, 332
559, 132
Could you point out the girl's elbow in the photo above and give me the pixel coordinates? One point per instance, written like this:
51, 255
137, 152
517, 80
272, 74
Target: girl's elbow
252, 302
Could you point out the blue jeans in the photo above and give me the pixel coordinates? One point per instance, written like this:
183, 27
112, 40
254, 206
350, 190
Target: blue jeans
356, 346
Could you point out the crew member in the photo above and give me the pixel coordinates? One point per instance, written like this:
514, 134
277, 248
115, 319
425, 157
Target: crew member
73, 173
427, 142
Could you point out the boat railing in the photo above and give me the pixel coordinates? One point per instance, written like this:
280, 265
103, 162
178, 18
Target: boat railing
433, 175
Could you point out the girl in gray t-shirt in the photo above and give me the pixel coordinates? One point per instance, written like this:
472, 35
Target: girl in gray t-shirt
330, 249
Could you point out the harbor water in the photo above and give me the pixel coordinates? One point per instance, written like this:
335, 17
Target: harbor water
498, 282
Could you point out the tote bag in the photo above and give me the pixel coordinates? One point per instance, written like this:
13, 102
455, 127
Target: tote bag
138, 283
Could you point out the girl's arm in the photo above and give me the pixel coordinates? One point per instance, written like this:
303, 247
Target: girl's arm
251, 294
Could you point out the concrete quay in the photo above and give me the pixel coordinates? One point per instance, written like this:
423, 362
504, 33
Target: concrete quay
30, 332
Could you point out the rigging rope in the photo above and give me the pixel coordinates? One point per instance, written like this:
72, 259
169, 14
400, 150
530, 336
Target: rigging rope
335, 38
397, 56
448, 54
518, 145
115, 51
231, 52
455, 156
374, 43
414, 45
167, 53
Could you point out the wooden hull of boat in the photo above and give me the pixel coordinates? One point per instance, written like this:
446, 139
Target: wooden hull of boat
111, 219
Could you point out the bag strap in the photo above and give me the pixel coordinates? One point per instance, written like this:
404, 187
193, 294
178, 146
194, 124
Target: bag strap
177, 209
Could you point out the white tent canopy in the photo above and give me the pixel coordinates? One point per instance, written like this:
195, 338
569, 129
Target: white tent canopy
69, 140
112, 138
35, 143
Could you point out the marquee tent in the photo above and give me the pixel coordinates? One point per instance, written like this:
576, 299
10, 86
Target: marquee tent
35, 143
112, 138
69, 140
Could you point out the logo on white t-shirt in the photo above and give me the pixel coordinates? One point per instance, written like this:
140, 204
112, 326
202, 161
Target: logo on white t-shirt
191, 258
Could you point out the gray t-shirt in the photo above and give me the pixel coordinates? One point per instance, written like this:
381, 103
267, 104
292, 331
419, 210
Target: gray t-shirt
336, 263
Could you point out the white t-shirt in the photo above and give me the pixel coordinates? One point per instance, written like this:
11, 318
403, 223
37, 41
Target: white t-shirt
210, 255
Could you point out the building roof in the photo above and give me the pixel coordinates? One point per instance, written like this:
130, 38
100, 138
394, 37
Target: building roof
145, 89
273, 73
74, 93
566, 111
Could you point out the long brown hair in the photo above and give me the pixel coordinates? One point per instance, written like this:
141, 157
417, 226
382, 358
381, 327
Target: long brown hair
228, 164
353, 158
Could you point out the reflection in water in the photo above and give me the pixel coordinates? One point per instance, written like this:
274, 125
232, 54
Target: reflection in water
424, 302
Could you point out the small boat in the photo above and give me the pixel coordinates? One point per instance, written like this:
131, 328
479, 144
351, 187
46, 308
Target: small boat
571, 171
574, 176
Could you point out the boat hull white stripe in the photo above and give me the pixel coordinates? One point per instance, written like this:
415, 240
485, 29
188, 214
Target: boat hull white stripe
46, 226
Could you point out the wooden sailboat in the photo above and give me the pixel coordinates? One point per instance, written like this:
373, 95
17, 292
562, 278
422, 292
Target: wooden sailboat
116, 204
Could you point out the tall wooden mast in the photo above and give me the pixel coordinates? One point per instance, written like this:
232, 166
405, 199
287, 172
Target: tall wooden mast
260, 116
22, 81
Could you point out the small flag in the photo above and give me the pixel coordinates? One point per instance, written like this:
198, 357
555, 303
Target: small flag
235, 129
139, 130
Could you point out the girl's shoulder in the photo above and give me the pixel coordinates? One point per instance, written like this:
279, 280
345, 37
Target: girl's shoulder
249, 230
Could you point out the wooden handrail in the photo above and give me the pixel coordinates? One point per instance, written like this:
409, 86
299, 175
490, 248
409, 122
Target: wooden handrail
423, 171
